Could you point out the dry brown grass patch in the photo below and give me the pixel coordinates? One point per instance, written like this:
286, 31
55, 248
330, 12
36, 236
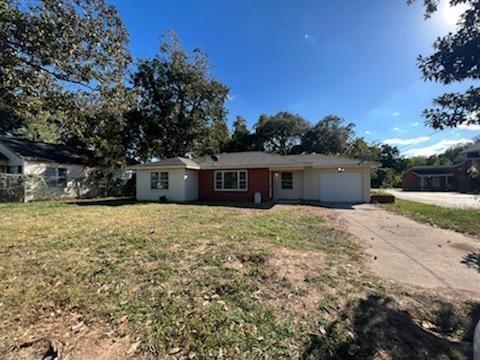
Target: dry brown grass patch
71, 337
286, 281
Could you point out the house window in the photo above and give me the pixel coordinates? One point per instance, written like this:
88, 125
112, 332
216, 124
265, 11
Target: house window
62, 177
231, 180
55, 177
287, 180
159, 180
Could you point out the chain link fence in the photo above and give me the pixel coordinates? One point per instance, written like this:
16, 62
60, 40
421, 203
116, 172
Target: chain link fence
12, 187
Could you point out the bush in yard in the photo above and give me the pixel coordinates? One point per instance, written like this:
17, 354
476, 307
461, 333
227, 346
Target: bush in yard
385, 178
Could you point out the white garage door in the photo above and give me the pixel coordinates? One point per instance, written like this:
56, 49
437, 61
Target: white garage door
341, 187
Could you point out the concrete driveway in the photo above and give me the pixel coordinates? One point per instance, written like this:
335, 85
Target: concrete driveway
444, 199
406, 251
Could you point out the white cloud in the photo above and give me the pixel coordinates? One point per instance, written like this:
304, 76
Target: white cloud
410, 141
396, 114
368, 132
231, 97
397, 129
414, 124
471, 127
436, 148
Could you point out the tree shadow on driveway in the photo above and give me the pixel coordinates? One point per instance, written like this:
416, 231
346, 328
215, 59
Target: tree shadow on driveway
472, 260
377, 327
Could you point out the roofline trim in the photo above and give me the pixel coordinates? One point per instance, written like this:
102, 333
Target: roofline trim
251, 166
447, 174
159, 166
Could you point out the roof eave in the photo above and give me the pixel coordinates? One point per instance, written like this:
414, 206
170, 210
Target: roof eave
159, 166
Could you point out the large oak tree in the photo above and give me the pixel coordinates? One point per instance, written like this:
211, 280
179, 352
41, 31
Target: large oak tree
65, 59
180, 102
280, 133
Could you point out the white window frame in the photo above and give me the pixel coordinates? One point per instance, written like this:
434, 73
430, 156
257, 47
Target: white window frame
159, 181
223, 181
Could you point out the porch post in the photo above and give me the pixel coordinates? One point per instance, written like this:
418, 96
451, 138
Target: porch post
270, 192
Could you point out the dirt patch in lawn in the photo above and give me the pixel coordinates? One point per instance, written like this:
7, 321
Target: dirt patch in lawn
285, 278
72, 337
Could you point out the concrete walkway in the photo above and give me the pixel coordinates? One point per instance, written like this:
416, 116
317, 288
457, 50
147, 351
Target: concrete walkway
406, 251
444, 199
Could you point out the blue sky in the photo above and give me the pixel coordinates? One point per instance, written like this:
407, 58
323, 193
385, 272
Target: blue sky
352, 58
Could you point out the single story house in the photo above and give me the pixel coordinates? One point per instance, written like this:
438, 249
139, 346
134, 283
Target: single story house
35, 170
445, 177
255, 176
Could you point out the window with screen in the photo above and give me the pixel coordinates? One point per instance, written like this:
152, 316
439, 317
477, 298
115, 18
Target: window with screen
231, 180
55, 177
159, 180
287, 180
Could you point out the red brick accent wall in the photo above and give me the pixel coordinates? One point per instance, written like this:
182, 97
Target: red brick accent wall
464, 182
258, 181
410, 181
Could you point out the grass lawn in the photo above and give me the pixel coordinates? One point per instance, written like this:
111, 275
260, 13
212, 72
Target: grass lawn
123, 280
462, 220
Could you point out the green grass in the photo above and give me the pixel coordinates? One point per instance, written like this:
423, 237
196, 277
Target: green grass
466, 221
206, 281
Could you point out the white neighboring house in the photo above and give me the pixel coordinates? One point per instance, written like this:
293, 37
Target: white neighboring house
50, 170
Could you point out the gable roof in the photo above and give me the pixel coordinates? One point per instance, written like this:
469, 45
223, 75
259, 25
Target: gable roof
255, 159
176, 162
40, 151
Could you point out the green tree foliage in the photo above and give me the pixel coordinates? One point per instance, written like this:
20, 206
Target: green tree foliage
241, 139
216, 138
358, 148
280, 133
180, 102
61, 57
9, 123
329, 136
386, 178
456, 59
390, 157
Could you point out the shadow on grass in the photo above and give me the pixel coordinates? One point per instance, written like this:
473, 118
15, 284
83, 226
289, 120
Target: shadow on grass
472, 260
114, 202
132, 201
374, 327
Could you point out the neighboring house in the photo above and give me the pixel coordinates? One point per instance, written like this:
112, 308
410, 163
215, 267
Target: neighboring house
50, 170
239, 176
445, 177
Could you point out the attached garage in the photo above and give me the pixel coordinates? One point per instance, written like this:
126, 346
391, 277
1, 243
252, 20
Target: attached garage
341, 187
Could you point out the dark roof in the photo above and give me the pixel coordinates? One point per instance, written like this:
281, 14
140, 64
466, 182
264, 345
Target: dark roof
474, 147
433, 170
3, 157
170, 162
40, 151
